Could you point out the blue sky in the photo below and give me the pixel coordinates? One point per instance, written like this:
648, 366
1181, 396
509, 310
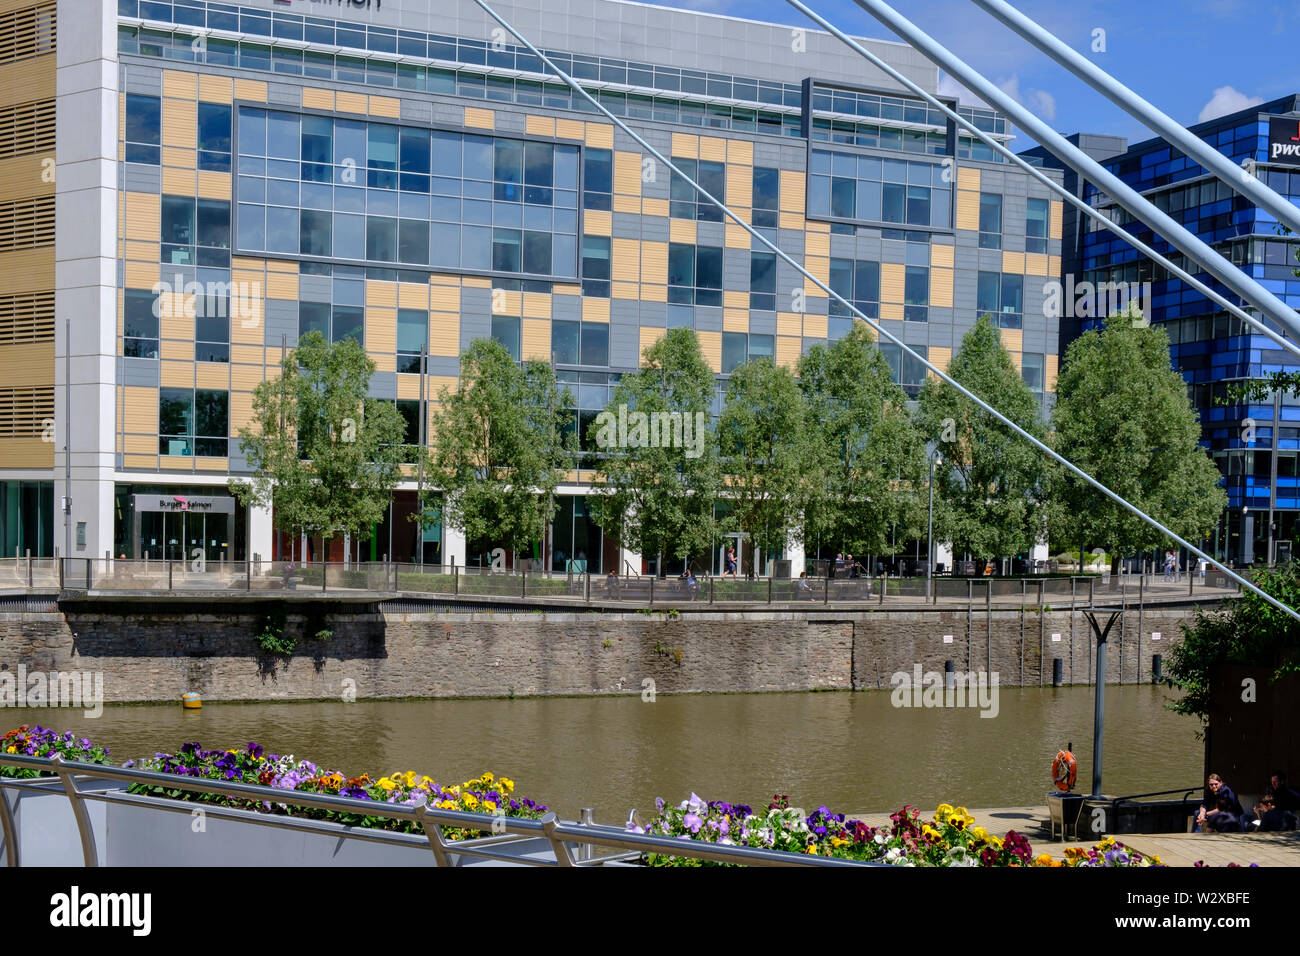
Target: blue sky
1195, 59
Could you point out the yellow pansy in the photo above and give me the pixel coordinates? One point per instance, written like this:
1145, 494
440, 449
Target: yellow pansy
488, 778
489, 806
387, 784
507, 784
470, 801
979, 833
446, 804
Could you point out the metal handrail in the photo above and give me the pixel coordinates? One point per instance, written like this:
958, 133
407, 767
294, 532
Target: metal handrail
430, 819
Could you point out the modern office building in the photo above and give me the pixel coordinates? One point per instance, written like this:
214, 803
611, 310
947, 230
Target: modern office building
1255, 446
193, 184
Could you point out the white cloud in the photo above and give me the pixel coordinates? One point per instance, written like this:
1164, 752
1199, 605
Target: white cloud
1043, 103
1226, 100
951, 88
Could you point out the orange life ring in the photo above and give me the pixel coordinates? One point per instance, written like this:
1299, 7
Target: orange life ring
1064, 770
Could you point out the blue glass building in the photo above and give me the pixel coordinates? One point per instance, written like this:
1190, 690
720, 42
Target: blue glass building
1255, 445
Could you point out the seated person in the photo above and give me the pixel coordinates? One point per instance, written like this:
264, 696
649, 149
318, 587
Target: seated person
1215, 791
1284, 798
1224, 818
1268, 818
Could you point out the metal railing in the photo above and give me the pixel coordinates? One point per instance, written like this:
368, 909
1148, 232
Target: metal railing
362, 579
573, 844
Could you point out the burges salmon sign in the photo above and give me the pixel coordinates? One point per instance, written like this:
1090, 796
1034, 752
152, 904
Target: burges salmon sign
348, 4
1284, 141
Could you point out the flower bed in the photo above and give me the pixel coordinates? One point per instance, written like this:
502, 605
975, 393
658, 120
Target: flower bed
949, 839
40, 741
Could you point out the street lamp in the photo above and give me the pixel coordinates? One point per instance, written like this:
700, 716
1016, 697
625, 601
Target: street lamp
935, 459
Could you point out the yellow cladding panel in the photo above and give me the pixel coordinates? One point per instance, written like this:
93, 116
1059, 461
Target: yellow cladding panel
627, 173
214, 185
351, 102
179, 182
385, 106
711, 346
740, 185
246, 327
789, 323
820, 268
713, 149
537, 305
596, 222
788, 350
177, 374
792, 220
408, 386
941, 256
27, 364
941, 288
737, 237
682, 230
141, 444
241, 411
891, 310
212, 464
735, 300
940, 357
814, 326
740, 151
475, 282
1013, 262
968, 177
654, 293
281, 286
792, 191
411, 295
649, 336
1035, 264
535, 335
245, 378
212, 375
444, 298
176, 351
1013, 340
140, 410
891, 281
141, 275
381, 330
143, 251
250, 90
178, 323
381, 293
444, 334
540, 125
735, 320
968, 209
180, 84
1054, 265
817, 244
215, 89
654, 263
654, 207
247, 354
314, 98
384, 361
1018, 361
1049, 373
178, 157
686, 146
507, 302
570, 129
1054, 219
625, 290
143, 212
600, 136
595, 310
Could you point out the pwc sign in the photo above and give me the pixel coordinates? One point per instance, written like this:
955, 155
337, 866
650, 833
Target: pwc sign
1284, 141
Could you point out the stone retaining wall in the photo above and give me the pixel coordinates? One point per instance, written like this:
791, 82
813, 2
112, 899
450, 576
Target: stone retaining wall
160, 653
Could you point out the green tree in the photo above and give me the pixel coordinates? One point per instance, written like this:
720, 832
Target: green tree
658, 480
767, 455
989, 490
1122, 415
322, 452
870, 476
499, 448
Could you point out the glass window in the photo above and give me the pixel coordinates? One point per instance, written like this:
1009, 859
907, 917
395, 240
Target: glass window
317, 149
381, 239
537, 253
139, 324
762, 281
349, 323
211, 422
381, 156
597, 179
314, 317
1036, 226
214, 223
315, 232
143, 129
766, 196
595, 344
412, 334
178, 220
214, 137
916, 294
505, 329
735, 351
595, 266
988, 293
564, 342
506, 251
990, 221
175, 421
1031, 371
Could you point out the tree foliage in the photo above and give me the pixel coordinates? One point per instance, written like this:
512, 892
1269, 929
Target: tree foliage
1122, 415
766, 452
867, 486
990, 492
658, 480
500, 447
324, 453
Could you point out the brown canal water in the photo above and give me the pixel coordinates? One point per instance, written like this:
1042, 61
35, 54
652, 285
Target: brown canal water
854, 752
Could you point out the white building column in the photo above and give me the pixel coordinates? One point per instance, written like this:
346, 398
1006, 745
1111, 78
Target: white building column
943, 555
453, 546
795, 552
85, 275
261, 534
627, 557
